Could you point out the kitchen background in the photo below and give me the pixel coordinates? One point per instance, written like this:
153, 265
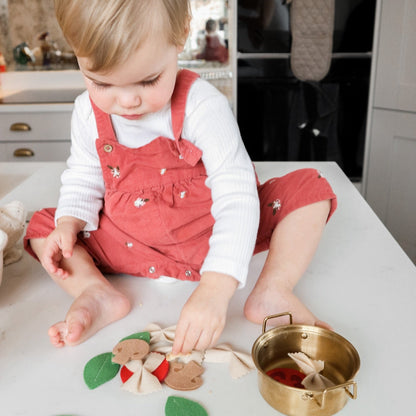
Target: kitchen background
361, 115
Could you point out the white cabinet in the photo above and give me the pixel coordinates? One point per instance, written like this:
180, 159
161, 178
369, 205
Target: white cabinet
390, 174
396, 63
35, 132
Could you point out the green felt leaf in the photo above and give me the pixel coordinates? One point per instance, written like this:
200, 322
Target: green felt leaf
99, 370
179, 406
145, 336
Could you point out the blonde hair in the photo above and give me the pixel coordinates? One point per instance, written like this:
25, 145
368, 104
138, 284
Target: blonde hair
107, 32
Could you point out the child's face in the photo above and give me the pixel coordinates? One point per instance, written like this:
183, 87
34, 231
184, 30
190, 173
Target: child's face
142, 85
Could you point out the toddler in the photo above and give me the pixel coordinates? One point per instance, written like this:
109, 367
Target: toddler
159, 183
212, 49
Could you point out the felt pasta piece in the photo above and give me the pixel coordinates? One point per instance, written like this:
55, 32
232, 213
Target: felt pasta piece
184, 376
312, 368
161, 335
179, 406
99, 370
157, 364
142, 381
125, 373
239, 363
197, 356
130, 349
162, 371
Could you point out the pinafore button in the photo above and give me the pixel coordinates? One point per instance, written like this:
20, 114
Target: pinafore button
108, 148
152, 269
188, 273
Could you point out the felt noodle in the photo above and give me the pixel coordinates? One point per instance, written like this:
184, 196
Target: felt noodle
142, 381
312, 368
159, 335
239, 363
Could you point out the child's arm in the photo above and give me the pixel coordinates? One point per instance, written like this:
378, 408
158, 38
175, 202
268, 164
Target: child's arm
60, 244
203, 316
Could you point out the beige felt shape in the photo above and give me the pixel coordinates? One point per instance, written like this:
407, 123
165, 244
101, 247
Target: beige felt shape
161, 347
312, 368
153, 361
142, 381
161, 335
130, 349
239, 363
12, 222
184, 376
197, 356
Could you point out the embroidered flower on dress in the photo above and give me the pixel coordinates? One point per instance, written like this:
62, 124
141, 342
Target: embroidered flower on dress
276, 205
139, 202
115, 171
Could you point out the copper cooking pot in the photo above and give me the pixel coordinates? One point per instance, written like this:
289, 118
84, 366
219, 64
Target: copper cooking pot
342, 362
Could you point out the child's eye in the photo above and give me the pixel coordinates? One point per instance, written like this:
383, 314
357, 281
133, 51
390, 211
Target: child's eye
151, 82
100, 86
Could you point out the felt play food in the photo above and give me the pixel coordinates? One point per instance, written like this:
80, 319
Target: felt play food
12, 223
145, 336
239, 363
130, 349
99, 370
312, 368
184, 376
178, 406
3, 243
160, 371
141, 381
288, 376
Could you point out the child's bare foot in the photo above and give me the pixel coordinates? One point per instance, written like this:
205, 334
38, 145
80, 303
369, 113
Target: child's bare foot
267, 300
95, 308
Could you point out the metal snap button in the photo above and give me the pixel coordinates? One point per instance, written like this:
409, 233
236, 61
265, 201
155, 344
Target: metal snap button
108, 148
188, 273
152, 269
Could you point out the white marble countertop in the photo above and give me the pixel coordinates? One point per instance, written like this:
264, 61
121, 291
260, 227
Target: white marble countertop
360, 281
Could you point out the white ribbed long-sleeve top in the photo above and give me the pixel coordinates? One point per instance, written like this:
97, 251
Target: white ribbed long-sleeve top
210, 125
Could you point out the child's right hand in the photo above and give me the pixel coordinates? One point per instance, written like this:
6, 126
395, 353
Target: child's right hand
60, 244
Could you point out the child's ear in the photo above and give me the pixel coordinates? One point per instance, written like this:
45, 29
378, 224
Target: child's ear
185, 35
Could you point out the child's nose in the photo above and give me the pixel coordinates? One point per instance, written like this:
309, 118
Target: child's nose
129, 99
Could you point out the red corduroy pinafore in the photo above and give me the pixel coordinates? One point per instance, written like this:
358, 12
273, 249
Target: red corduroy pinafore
156, 218
156, 204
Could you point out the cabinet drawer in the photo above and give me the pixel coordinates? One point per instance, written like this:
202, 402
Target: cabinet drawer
28, 126
34, 151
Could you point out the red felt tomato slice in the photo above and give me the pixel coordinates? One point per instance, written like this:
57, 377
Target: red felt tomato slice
162, 371
125, 374
287, 376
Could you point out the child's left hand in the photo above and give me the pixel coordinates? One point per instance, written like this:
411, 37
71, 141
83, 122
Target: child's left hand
203, 316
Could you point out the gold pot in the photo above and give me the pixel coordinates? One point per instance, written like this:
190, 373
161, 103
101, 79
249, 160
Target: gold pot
342, 362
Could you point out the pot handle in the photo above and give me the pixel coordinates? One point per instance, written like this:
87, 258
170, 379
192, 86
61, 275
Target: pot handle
346, 386
278, 315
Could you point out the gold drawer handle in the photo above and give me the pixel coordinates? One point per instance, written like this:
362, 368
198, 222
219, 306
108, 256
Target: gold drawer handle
20, 127
23, 152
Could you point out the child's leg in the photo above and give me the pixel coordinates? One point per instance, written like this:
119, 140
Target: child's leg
292, 246
97, 303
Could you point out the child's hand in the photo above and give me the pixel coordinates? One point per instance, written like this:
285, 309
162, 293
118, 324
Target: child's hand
203, 316
60, 244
